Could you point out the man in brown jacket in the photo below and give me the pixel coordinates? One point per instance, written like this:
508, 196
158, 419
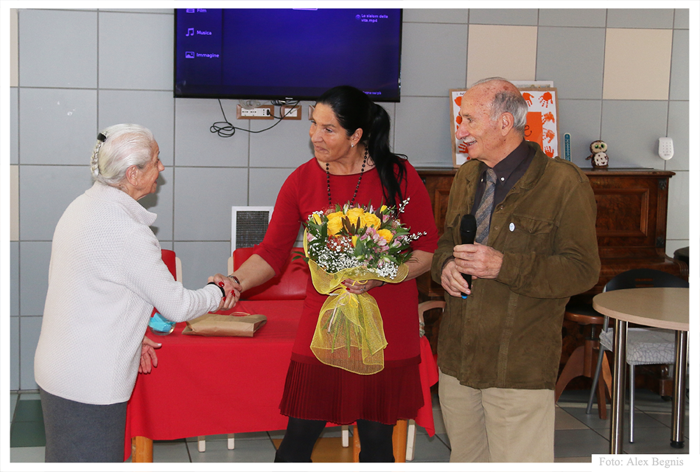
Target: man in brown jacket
499, 347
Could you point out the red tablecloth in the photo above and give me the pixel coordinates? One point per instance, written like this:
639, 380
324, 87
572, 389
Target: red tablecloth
222, 385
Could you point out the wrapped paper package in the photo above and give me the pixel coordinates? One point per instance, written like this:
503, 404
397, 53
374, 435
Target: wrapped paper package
236, 324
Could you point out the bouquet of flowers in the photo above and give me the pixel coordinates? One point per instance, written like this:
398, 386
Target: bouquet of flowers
358, 243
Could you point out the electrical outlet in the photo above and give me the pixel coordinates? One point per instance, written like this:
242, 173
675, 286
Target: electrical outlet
290, 113
665, 148
263, 112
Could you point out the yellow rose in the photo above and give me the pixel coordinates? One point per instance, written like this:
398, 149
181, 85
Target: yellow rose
317, 218
354, 241
370, 219
335, 224
354, 213
383, 209
386, 234
335, 214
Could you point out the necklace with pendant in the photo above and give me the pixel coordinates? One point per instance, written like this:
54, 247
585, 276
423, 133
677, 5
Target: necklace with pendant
357, 187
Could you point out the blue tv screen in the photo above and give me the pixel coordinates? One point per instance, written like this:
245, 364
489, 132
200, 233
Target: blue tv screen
287, 54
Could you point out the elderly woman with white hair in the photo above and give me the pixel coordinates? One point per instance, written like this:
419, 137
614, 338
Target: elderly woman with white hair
105, 276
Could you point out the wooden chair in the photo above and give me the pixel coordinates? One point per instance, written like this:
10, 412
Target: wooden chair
582, 360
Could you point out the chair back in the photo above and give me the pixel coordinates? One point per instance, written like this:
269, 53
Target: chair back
638, 278
289, 285
170, 261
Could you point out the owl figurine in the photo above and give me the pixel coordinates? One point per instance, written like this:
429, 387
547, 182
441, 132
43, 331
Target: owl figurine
599, 156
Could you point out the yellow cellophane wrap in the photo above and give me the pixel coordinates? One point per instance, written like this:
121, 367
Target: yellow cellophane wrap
349, 333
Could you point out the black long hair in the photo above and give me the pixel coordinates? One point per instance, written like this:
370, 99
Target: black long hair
354, 110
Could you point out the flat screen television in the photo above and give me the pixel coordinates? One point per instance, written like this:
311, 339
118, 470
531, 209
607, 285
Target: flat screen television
287, 54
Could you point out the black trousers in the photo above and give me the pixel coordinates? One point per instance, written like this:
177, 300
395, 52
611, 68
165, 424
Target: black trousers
81, 432
301, 436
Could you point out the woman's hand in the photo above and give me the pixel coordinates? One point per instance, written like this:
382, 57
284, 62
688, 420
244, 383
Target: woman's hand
357, 287
232, 289
148, 355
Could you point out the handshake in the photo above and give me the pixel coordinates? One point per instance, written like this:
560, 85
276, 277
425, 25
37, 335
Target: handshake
231, 290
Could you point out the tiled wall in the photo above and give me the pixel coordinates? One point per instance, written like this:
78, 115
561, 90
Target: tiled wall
622, 76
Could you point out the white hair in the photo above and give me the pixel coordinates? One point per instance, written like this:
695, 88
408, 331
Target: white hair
118, 148
508, 102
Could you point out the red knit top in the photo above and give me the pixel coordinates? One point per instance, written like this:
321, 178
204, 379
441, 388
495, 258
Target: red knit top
304, 192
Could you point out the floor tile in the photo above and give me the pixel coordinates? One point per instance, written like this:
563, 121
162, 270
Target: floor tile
564, 420
328, 449
28, 410
246, 450
14, 397
430, 449
579, 443
27, 434
27, 454
573, 459
170, 451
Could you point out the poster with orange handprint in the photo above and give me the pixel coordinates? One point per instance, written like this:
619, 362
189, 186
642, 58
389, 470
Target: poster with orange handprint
542, 124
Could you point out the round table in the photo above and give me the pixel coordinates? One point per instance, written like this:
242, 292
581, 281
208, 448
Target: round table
659, 307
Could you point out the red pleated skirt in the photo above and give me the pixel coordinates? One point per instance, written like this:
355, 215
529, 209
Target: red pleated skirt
315, 391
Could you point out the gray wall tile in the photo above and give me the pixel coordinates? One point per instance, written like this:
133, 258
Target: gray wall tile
434, 59
14, 353
681, 18
195, 145
59, 48
421, 15
14, 278
680, 65
577, 75
521, 17
631, 128
30, 328
162, 11
640, 18
202, 259
678, 206
161, 203
285, 145
58, 126
154, 110
423, 131
674, 244
265, 184
678, 129
136, 51
44, 194
203, 202
14, 125
33, 277
581, 118
573, 17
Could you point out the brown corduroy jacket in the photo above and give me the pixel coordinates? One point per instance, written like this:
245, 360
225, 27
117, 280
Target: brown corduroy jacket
507, 334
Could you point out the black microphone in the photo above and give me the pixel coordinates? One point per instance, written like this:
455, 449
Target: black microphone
467, 229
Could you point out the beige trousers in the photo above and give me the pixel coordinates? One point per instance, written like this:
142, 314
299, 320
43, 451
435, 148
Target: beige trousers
497, 424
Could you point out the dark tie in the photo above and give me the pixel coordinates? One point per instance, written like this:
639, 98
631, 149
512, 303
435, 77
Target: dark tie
483, 213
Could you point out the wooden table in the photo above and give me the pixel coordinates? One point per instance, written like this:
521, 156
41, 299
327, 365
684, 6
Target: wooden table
656, 307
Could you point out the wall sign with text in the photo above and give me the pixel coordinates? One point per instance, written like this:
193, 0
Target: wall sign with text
542, 121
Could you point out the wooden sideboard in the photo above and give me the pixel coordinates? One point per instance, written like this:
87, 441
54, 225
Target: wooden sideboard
630, 225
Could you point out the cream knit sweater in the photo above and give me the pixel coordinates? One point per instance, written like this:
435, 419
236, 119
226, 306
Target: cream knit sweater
106, 275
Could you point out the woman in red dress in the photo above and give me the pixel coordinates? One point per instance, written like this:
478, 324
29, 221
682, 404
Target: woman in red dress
352, 163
